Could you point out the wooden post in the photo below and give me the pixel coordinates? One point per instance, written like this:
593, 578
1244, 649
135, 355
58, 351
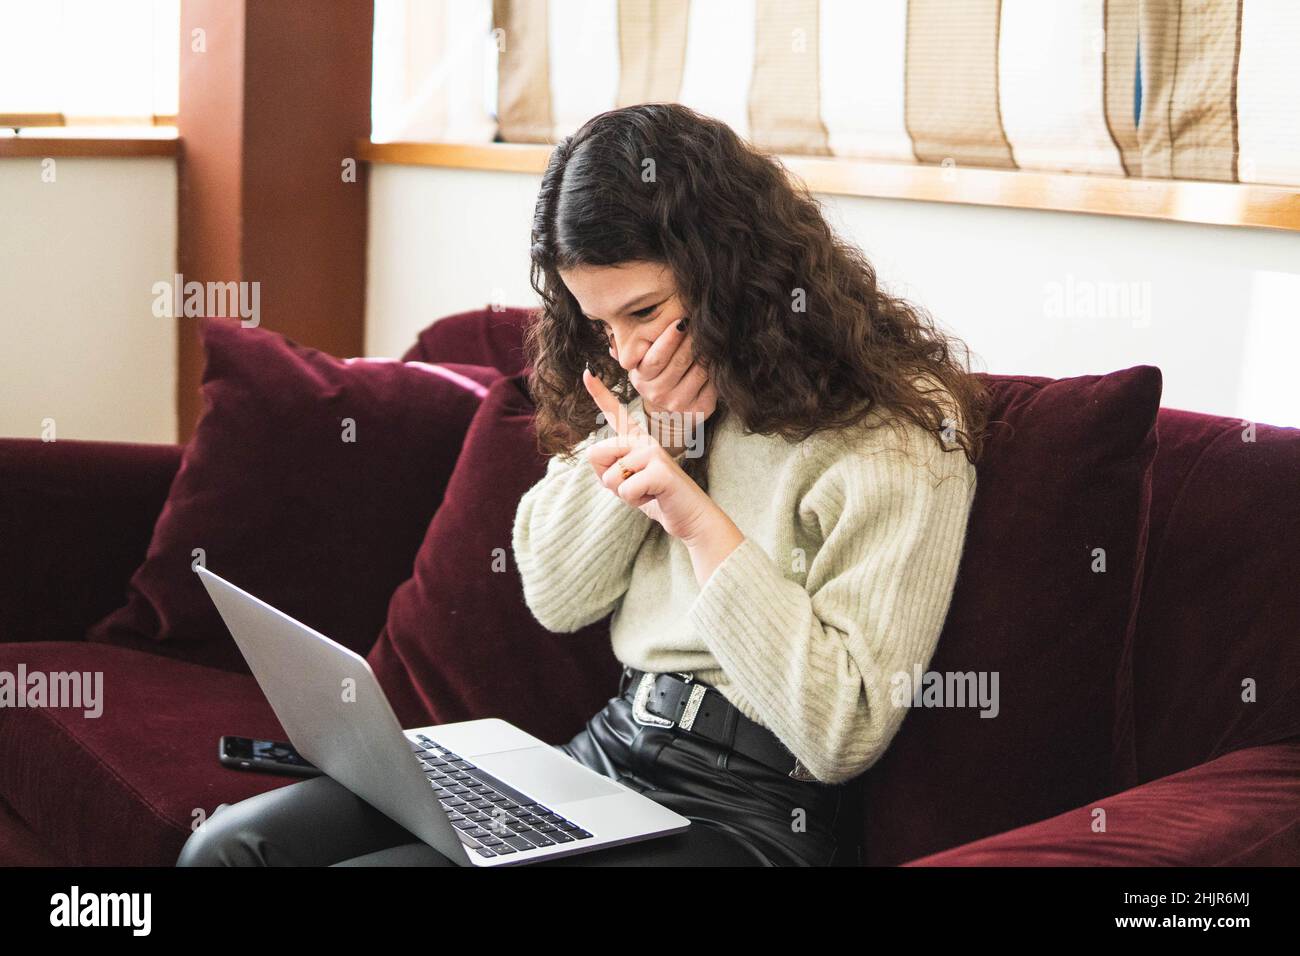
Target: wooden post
274, 95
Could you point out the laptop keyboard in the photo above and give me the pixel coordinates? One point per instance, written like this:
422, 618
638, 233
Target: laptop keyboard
491, 818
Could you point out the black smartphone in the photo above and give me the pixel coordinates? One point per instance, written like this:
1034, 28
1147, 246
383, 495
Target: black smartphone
269, 756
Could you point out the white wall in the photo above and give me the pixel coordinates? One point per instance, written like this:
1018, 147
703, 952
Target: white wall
79, 345
1038, 293
443, 241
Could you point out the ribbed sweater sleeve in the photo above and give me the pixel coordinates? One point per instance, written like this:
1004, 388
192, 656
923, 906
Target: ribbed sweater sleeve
574, 541
814, 661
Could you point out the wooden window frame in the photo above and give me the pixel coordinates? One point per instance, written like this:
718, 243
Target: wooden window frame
31, 138
1208, 203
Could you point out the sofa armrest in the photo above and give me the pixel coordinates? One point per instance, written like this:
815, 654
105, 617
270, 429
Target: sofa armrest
1241, 809
75, 522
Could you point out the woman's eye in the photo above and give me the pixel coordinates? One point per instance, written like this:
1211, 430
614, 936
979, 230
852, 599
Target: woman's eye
645, 313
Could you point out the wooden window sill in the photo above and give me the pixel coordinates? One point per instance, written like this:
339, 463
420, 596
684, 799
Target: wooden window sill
148, 142
1221, 204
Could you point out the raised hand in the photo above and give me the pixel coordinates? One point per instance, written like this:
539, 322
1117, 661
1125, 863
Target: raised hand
675, 390
634, 466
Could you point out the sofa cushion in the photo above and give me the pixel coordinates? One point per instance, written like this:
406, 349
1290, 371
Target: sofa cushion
1065, 478
1237, 810
1217, 663
309, 482
123, 788
488, 336
19, 846
460, 642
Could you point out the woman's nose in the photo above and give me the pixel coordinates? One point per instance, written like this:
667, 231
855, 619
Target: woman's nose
625, 351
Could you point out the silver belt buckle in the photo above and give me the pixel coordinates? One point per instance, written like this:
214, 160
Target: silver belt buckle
646, 687
800, 772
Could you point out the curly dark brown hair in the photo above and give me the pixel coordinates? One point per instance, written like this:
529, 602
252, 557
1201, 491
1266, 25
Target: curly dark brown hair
744, 244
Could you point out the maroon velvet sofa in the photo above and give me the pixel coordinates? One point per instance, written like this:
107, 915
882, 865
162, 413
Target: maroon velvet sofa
1220, 605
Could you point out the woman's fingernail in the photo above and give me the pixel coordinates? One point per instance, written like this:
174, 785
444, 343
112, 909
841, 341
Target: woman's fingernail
681, 326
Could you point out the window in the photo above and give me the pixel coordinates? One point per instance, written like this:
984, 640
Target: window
88, 62
435, 71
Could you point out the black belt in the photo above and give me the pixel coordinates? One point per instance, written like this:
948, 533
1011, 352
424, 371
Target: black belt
679, 702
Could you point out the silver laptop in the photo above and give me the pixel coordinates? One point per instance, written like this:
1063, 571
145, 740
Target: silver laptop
480, 792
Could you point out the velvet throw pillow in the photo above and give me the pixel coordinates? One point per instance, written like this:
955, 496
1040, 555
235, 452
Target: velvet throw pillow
460, 642
1040, 627
309, 482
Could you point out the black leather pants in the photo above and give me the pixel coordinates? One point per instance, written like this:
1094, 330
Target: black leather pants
742, 813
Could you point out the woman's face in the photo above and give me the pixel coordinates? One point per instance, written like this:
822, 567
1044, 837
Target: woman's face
631, 303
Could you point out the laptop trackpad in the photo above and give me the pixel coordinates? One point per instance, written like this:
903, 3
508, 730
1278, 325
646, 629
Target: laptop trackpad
545, 775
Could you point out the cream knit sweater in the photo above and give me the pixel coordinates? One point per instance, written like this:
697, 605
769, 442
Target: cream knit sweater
852, 543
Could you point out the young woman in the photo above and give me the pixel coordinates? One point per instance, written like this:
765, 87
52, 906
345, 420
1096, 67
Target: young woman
775, 518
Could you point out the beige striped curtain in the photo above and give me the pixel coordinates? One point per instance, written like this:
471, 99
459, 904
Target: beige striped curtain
1185, 89
433, 63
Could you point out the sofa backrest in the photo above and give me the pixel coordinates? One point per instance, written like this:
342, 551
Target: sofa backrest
488, 336
1217, 659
